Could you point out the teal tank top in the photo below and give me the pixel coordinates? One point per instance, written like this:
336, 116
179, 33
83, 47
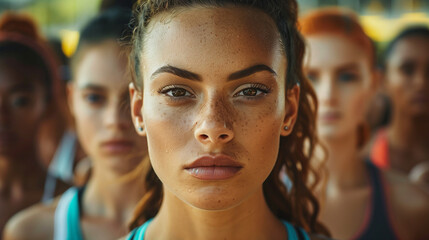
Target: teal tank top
293, 233
67, 216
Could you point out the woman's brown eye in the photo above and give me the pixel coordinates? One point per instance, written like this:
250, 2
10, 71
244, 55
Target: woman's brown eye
250, 92
178, 92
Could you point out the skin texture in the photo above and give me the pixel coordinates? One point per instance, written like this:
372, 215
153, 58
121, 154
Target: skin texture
185, 118
406, 80
98, 97
344, 82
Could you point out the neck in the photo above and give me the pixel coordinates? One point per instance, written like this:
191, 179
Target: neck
346, 167
113, 196
409, 133
178, 220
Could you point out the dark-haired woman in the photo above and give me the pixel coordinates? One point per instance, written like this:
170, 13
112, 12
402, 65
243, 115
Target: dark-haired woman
28, 99
98, 98
359, 201
220, 95
404, 143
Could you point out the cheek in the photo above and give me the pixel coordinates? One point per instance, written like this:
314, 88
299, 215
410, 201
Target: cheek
355, 104
259, 133
27, 120
167, 129
88, 124
396, 84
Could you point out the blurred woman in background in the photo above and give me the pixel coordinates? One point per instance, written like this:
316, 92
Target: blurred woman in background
403, 145
99, 101
359, 201
28, 100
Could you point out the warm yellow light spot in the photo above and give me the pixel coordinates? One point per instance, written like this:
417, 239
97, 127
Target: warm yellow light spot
69, 41
416, 17
383, 29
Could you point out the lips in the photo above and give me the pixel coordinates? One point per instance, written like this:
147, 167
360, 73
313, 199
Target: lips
218, 167
117, 146
328, 117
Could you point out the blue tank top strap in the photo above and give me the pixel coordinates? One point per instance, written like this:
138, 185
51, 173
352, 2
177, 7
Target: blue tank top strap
67, 216
295, 233
378, 225
138, 233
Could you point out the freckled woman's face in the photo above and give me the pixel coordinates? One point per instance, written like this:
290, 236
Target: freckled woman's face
341, 75
214, 81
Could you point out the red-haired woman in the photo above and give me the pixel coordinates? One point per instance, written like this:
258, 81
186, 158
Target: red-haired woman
359, 201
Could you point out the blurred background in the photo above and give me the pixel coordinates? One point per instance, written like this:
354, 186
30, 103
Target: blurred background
62, 19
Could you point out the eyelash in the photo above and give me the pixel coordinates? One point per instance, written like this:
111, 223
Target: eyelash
259, 87
166, 89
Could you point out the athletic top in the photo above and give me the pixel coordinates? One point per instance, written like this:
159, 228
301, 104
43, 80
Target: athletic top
380, 150
377, 224
294, 233
67, 216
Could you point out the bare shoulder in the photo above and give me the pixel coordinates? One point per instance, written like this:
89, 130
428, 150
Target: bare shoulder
36, 222
409, 205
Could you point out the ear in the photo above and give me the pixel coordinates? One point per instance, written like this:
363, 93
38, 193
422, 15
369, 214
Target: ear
136, 100
292, 105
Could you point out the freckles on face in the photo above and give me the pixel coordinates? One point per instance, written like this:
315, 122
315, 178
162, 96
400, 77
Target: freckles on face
214, 84
341, 75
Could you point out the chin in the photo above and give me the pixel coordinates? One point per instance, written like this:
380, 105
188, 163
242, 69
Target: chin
122, 165
329, 132
213, 199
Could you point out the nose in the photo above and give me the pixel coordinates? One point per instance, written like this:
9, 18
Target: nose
215, 124
326, 91
117, 116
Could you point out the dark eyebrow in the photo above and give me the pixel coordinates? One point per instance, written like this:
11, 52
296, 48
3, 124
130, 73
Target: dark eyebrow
251, 70
91, 86
193, 76
350, 66
23, 87
178, 72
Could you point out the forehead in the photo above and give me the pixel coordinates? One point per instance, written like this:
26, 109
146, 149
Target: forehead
333, 50
102, 65
411, 48
214, 37
14, 73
